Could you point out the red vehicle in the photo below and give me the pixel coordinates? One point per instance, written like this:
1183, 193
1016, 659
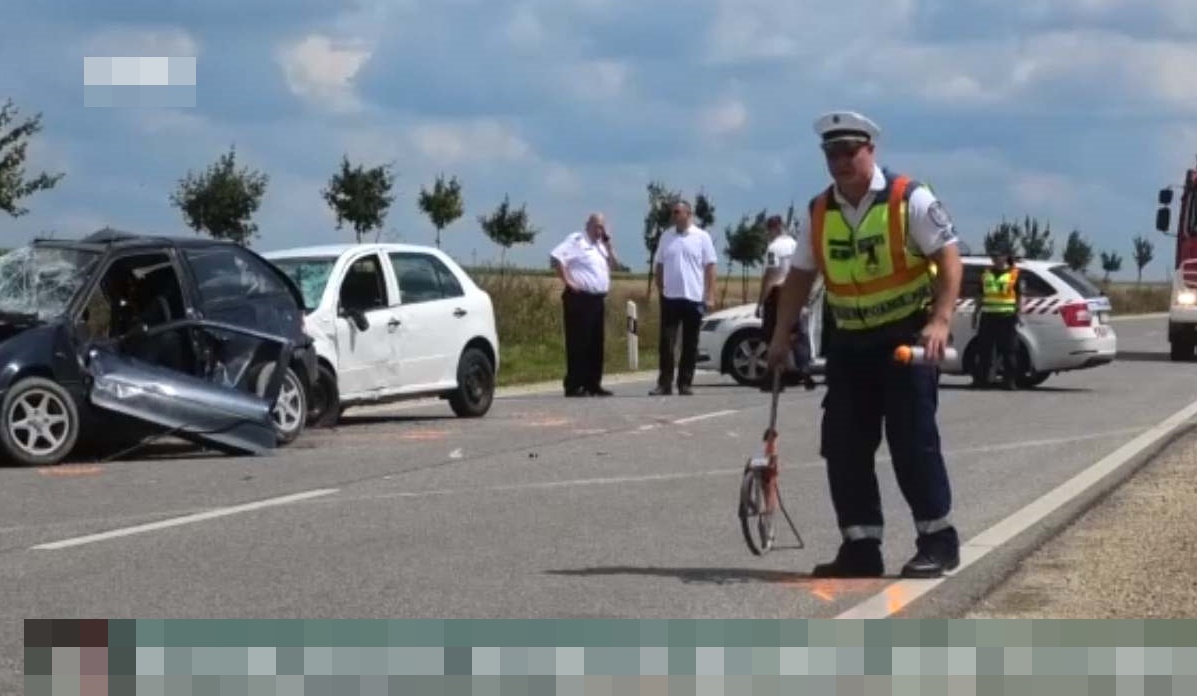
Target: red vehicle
1182, 315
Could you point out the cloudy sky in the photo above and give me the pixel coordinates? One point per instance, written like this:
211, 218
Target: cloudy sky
1073, 111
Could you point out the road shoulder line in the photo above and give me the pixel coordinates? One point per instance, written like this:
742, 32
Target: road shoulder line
1003, 544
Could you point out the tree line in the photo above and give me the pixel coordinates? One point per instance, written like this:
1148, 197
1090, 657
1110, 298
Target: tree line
1030, 240
222, 200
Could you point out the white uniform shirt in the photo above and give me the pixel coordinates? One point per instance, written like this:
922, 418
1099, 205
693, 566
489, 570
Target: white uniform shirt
777, 257
683, 259
585, 262
930, 227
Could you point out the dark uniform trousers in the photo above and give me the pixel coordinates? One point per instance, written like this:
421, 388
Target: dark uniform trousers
678, 315
869, 394
802, 353
585, 322
1000, 332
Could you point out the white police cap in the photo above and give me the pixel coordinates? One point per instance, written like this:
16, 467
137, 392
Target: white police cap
846, 125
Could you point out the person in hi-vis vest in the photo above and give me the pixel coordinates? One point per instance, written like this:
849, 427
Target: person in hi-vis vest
997, 313
872, 235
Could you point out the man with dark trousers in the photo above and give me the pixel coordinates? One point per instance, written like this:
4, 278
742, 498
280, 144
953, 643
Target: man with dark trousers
777, 263
997, 313
583, 262
685, 278
872, 235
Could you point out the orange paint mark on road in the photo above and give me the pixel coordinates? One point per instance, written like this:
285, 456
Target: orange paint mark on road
423, 435
548, 422
894, 599
830, 589
68, 470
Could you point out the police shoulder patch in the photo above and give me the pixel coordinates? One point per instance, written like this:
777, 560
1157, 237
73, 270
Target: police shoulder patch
939, 215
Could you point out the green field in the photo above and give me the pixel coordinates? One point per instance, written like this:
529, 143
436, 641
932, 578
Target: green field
530, 323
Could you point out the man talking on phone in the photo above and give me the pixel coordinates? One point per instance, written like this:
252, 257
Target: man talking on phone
583, 262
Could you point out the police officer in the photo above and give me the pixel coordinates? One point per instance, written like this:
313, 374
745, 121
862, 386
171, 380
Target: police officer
998, 314
872, 235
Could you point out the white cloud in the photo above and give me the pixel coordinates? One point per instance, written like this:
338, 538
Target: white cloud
727, 116
561, 180
596, 79
143, 41
322, 71
447, 143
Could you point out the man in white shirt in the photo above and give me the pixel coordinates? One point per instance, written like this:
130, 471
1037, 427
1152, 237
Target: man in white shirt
777, 264
583, 263
685, 276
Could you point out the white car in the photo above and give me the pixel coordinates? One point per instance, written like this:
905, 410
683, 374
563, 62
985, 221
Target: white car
393, 322
1065, 326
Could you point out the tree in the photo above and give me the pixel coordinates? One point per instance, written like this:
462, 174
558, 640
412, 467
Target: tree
360, 196
222, 201
1006, 236
1144, 253
442, 205
1111, 262
746, 245
14, 143
508, 227
1078, 253
657, 219
1036, 243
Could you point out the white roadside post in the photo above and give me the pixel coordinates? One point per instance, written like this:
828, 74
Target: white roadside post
633, 338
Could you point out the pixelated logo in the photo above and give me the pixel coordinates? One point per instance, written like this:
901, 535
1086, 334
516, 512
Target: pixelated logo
154, 82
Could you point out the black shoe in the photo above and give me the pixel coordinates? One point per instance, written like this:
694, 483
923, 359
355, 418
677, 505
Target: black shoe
599, 391
685, 391
809, 383
856, 559
937, 554
661, 391
575, 392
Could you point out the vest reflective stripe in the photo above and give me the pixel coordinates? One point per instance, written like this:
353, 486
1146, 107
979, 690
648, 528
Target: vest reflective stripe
898, 287
1000, 292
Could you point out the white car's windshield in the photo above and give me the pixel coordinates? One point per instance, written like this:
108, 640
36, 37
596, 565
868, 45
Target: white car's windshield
311, 275
39, 281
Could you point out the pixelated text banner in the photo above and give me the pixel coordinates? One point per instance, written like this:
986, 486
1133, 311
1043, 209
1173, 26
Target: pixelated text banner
145, 81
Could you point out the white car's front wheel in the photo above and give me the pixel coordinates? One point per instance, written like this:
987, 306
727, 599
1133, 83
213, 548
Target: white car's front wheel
748, 360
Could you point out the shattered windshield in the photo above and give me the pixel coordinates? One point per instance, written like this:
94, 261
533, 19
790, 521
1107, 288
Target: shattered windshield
311, 275
39, 281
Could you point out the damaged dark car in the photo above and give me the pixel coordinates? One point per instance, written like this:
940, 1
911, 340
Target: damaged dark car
117, 338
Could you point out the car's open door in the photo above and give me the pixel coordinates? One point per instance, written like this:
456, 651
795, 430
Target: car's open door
208, 408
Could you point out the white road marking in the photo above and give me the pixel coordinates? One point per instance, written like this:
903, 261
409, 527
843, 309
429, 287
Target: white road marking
649, 478
188, 519
455, 454
704, 416
900, 594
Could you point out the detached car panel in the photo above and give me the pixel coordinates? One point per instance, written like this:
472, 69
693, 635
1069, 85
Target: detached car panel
108, 338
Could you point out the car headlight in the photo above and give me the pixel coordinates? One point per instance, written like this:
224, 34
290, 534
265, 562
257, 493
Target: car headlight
1186, 297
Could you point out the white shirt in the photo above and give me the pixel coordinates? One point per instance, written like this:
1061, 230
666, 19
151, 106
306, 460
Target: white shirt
930, 228
585, 262
683, 259
778, 255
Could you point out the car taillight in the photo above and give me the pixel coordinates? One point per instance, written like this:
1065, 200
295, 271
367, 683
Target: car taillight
1076, 315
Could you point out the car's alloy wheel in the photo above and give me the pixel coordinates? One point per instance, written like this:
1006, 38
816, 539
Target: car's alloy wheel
749, 359
290, 410
40, 422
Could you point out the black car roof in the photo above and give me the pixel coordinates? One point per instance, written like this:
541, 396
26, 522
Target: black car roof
109, 238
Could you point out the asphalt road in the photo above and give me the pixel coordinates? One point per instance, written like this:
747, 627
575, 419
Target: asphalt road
548, 507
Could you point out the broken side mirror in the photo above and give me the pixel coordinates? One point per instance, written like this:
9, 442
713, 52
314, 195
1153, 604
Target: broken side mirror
357, 316
1163, 219
1165, 196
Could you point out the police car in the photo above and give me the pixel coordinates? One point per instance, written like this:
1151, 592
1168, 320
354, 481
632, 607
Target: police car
1065, 326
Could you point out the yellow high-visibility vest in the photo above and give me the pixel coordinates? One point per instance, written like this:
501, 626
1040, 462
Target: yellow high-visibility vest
871, 277
1000, 291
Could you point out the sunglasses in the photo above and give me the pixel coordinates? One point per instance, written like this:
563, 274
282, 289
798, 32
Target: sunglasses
843, 148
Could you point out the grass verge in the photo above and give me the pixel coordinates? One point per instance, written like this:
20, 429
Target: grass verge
531, 325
